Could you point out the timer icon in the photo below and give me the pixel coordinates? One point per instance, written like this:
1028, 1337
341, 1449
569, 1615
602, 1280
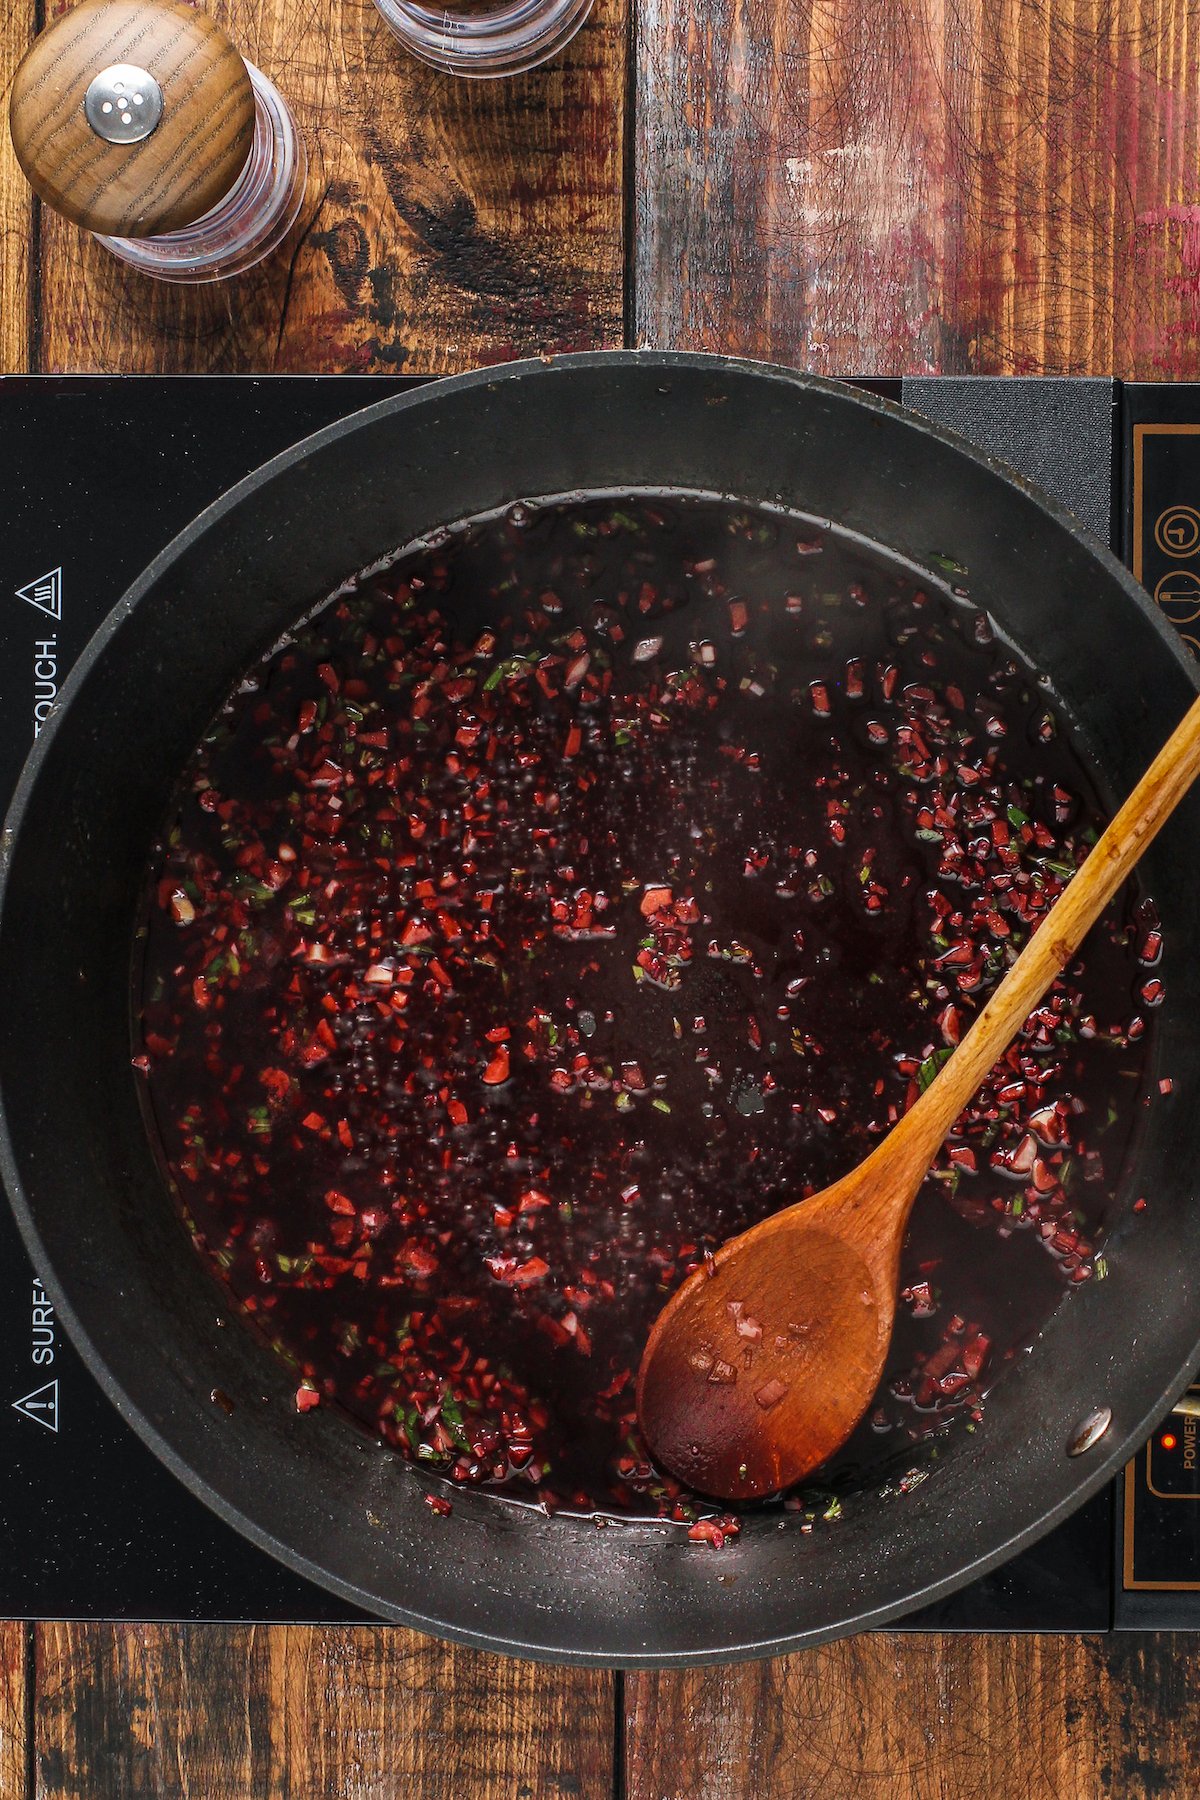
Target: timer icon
1177, 530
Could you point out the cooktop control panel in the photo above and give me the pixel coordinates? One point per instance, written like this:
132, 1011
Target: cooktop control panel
1159, 1576
1158, 1563
1162, 501
90, 1524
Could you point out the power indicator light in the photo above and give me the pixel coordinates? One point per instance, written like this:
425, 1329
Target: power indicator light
1168, 1440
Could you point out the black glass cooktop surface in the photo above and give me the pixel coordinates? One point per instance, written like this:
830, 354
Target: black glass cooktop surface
91, 1525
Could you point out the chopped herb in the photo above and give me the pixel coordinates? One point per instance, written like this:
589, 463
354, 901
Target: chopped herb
930, 1067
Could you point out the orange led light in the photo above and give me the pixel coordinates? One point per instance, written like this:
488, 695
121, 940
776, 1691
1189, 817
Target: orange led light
1169, 1440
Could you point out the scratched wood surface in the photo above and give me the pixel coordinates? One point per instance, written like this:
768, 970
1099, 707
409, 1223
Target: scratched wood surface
12, 1712
206, 1712
17, 209
941, 187
294, 1713
944, 186
925, 1718
447, 223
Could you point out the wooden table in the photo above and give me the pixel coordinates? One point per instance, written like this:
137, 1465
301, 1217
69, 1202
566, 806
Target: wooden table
856, 186
988, 186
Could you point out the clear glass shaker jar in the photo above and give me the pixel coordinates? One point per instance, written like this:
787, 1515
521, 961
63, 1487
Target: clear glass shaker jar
143, 124
254, 217
485, 41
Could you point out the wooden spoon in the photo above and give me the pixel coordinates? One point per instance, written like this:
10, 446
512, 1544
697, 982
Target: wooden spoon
764, 1361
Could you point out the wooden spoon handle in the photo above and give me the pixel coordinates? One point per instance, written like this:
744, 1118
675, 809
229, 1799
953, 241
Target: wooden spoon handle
1052, 945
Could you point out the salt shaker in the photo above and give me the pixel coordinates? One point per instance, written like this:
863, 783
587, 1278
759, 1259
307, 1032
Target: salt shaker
138, 120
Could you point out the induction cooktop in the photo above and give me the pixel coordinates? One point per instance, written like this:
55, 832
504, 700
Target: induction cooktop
91, 1524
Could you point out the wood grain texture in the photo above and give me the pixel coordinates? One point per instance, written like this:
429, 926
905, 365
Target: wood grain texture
184, 167
211, 1712
12, 1711
941, 187
447, 222
17, 208
926, 1718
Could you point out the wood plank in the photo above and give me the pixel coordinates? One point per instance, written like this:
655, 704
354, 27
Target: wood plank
926, 1717
447, 222
17, 273
12, 1711
213, 1712
940, 187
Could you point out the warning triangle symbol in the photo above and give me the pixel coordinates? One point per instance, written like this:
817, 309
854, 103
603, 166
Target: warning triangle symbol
45, 593
41, 1406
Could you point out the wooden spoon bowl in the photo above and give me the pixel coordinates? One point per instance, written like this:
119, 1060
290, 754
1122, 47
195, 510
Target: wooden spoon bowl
751, 1338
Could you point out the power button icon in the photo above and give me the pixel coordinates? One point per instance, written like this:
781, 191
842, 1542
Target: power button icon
1177, 531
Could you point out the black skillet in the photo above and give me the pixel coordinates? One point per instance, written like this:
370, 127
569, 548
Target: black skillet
89, 1197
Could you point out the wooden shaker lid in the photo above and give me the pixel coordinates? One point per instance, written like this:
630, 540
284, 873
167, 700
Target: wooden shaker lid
172, 173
